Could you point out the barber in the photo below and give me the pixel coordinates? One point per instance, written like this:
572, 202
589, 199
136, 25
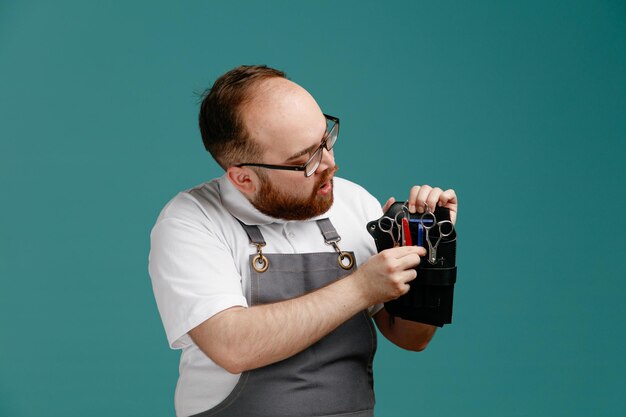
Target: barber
266, 277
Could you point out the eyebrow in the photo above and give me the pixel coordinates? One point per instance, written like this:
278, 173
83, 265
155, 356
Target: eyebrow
302, 153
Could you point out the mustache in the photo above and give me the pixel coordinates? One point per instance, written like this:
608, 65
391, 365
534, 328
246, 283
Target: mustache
328, 174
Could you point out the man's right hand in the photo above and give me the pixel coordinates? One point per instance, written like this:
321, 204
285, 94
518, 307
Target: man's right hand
385, 276
240, 339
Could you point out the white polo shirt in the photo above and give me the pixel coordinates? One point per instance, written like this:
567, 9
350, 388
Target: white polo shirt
199, 266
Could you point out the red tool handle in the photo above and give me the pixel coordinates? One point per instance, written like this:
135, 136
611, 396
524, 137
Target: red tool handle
407, 233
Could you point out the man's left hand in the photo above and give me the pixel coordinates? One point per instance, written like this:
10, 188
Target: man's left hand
422, 195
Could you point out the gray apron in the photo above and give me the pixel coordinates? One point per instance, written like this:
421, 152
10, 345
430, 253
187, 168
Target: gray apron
332, 377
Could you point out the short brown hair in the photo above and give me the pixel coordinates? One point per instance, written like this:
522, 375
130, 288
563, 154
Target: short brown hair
223, 132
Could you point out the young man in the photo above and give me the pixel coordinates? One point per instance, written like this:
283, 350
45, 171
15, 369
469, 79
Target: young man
255, 273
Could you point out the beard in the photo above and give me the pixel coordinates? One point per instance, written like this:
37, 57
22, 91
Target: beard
281, 205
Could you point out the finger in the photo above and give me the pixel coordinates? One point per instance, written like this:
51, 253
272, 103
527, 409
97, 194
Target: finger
403, 288
401, 280
409, 276
449, 200
420, 201
412, 197
388, 204
433, 198
408, 262
447, 197
402, 251
419, 250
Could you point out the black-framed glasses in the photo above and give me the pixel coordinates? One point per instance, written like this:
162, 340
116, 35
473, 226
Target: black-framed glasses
310, 166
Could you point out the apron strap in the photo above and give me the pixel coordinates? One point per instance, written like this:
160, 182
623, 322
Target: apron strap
331, 237
260, 263
254, 234
328, 230
326, 227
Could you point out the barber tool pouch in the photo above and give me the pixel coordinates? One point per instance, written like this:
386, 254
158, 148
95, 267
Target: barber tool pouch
430, 297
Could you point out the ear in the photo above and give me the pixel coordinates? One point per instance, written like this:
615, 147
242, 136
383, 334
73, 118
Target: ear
244, 179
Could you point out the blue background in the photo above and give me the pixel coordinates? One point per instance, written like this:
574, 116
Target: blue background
519, 106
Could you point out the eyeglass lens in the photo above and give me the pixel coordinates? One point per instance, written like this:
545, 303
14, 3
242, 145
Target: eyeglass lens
314, 163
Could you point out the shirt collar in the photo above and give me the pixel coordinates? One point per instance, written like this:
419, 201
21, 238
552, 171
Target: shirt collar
239, 206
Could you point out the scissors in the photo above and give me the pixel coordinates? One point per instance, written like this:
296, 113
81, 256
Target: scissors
445, 228
393, 227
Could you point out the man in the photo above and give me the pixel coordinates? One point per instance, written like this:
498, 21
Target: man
255, 273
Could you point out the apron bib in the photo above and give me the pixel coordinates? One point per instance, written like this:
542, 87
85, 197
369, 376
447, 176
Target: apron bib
333, 377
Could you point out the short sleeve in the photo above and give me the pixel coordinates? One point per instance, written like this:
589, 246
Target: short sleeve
193, 273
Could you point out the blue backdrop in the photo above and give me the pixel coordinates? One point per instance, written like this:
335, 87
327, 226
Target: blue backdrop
519, 106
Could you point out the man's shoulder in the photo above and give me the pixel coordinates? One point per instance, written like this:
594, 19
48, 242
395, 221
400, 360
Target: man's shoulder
203, 200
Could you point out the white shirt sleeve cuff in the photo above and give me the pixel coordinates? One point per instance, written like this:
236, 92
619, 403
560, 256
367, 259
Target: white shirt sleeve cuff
208, 309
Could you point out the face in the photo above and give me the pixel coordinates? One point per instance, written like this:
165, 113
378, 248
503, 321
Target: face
288, 124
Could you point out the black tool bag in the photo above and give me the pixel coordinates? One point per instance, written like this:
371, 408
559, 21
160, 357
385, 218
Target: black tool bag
430, 298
